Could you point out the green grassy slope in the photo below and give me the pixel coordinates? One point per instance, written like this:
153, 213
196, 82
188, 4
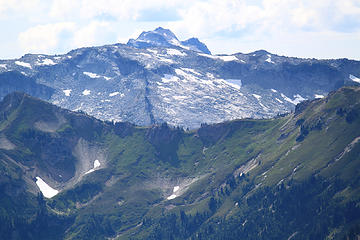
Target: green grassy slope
293, 177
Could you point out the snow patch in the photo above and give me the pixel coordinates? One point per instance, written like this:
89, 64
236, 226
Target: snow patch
67, 92
355, 79
46, 61
23, 64
319, 96
96, 163
172, 196
3, 66
96, 166
208, 55
269, 59
166, 60
226, 58
176, 188
256, 96
91, 75
113, 94
297, 98
286, 98
175, 52
279, 100
46, 190
86, 92
145, 55
235, 83
152, 51
263, 106
179, 98
94, 75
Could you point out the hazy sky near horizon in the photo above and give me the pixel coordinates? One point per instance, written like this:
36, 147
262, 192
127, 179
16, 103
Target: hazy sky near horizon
301, 28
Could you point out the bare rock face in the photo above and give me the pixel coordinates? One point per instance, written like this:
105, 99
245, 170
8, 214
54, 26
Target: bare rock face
158, 78
12, 81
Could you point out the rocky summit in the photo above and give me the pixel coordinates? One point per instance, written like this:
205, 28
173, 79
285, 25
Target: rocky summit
157, 78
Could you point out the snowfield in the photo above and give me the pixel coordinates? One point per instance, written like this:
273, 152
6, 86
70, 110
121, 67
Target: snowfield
96, 166
318, 96
45, 189
86, 92
67, 92
23, 64
355, 79
113, 94
172, 196
297, 98
225, 58
256, 96
269, 59
45, 62
91, 75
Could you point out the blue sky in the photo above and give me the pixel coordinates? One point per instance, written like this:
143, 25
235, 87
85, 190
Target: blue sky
301, 28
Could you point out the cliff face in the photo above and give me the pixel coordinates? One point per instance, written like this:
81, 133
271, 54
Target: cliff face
15, 81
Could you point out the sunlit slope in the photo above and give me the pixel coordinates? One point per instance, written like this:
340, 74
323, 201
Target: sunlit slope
295, 176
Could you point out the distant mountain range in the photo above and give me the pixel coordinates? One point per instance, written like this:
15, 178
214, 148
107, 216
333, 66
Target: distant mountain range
157, 78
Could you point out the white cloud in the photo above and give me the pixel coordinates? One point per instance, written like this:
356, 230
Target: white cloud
211, 17
43, 38
303, 17
134, 34
121, 10
22, 6
90, 34
61, 9
47, 38
252, 23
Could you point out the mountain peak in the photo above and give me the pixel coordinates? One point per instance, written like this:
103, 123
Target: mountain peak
260, 52
162, 37
195, 45
165, 32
